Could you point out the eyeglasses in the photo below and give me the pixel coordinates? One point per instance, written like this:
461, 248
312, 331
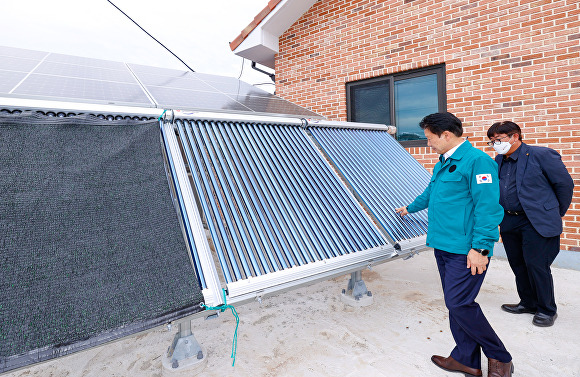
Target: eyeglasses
497, 141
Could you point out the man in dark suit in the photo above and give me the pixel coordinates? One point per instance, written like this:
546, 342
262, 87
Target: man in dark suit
535, 192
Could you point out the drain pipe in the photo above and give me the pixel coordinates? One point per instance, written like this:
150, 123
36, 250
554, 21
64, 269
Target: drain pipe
271, 75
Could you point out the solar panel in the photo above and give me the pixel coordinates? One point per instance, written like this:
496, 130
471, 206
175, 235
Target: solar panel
66, 88
199, 81
68, 78
183, 82
195, 100
9, 79
252, 98
85, 72
240, 88
11, 63
276, 209
272, 194
89, 62
215, 78
22, 53
146, 69
272, 104
380, 171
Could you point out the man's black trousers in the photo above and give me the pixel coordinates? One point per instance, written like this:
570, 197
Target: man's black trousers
530, 256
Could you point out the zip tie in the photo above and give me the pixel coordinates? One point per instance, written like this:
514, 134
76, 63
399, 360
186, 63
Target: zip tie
161, 116
222, 308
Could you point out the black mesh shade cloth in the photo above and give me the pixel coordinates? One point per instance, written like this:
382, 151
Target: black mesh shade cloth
91, 248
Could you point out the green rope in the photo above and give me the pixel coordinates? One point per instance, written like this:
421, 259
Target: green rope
222, 308
161, 116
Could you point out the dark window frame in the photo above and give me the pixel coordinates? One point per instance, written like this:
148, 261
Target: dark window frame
391, 79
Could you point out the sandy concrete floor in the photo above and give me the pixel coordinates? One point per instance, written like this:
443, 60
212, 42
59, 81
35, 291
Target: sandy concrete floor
310, 332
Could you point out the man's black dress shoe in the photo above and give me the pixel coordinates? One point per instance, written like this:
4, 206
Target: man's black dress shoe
517, 309
544, 320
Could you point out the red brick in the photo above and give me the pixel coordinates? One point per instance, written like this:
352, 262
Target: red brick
527, 62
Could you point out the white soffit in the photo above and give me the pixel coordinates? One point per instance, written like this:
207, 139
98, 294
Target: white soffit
261, 45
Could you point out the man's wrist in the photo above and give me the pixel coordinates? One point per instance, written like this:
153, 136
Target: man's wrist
484, 252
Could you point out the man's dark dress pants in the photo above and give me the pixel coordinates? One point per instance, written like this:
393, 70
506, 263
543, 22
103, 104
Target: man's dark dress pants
469, 327
530, 256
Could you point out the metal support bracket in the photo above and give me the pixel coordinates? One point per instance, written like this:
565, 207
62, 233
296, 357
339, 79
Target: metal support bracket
185, 356
356, 292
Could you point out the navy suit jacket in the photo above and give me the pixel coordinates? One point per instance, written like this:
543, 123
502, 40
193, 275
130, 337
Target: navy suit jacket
544, 187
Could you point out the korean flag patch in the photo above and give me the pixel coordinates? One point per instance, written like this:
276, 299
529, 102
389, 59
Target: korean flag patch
483, 178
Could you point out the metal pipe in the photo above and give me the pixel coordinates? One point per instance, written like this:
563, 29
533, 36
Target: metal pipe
271, 75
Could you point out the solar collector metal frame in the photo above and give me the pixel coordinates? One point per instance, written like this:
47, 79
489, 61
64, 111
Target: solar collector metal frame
195, 234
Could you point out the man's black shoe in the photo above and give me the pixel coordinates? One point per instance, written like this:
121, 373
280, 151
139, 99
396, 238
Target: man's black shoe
544, 320
517, 309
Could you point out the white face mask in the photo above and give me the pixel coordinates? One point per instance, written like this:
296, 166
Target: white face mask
503, 147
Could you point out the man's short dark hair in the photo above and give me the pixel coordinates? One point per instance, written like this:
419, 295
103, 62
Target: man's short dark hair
438, 123
505, 127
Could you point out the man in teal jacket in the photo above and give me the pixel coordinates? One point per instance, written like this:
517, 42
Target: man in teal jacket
464, 214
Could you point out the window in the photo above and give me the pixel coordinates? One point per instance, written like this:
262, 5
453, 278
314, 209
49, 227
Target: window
401, 100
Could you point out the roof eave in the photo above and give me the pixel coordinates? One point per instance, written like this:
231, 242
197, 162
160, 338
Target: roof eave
259, 42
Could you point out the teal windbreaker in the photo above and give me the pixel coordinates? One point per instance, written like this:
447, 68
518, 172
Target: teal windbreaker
463, 202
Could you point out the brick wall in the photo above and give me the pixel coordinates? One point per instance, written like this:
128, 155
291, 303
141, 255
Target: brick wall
505, 60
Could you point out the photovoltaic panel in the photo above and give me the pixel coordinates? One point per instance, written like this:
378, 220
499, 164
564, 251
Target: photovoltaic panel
11, 63
22, 53
59, 87
186, 82
240, 88
59, 77
195, 100
215, 78
89, 62
146, 69
272, 104
85, 72
242, 96
380, 171
9, 79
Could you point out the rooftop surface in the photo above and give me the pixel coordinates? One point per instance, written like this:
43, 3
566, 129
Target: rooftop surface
310, 332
